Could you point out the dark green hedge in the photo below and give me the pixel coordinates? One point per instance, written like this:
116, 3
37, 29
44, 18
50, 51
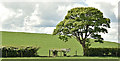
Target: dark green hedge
19, 51
103, 52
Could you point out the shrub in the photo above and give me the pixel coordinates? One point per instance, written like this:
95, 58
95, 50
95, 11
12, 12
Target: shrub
19, 51
103, 52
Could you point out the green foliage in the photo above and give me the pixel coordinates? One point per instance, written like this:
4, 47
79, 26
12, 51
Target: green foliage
19, 51
83, 22
103, 52
88, 43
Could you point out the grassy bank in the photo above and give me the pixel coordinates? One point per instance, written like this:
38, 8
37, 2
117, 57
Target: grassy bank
46, 42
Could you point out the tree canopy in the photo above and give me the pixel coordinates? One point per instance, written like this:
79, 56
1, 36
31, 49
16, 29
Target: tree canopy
83, 23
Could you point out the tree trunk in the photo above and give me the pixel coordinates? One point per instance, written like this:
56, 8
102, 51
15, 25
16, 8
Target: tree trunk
84, 49
83, 45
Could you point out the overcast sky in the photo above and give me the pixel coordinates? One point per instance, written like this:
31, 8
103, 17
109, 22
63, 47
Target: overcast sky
41, 16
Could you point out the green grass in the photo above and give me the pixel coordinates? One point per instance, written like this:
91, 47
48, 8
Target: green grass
62, 58
46, 42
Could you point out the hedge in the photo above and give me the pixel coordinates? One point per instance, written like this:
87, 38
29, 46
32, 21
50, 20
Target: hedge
103, 52
19, 51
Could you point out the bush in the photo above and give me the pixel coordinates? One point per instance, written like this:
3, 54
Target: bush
19, 51
103, 52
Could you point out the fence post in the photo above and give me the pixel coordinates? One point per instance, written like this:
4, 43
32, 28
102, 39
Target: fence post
61, 53
76, 52
49, 53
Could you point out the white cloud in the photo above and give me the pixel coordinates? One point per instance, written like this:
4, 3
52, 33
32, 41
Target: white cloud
63, 9
116, 11
5, 13
92, 2
108, 7
46, 30
19, 13
30, 21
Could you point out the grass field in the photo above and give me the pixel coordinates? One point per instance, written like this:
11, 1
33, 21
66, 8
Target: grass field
46, 42
62, 58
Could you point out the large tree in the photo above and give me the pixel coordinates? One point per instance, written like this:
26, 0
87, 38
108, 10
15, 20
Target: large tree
83, 23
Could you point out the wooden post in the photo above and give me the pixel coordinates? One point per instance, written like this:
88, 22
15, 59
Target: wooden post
6, 53
61, 53
76, 52
49, 53
21, 54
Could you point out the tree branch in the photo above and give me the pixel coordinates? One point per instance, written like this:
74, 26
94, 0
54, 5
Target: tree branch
81, 34
78, 38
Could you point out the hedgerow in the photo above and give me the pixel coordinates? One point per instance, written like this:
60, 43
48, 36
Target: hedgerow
103, 52
19, 51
